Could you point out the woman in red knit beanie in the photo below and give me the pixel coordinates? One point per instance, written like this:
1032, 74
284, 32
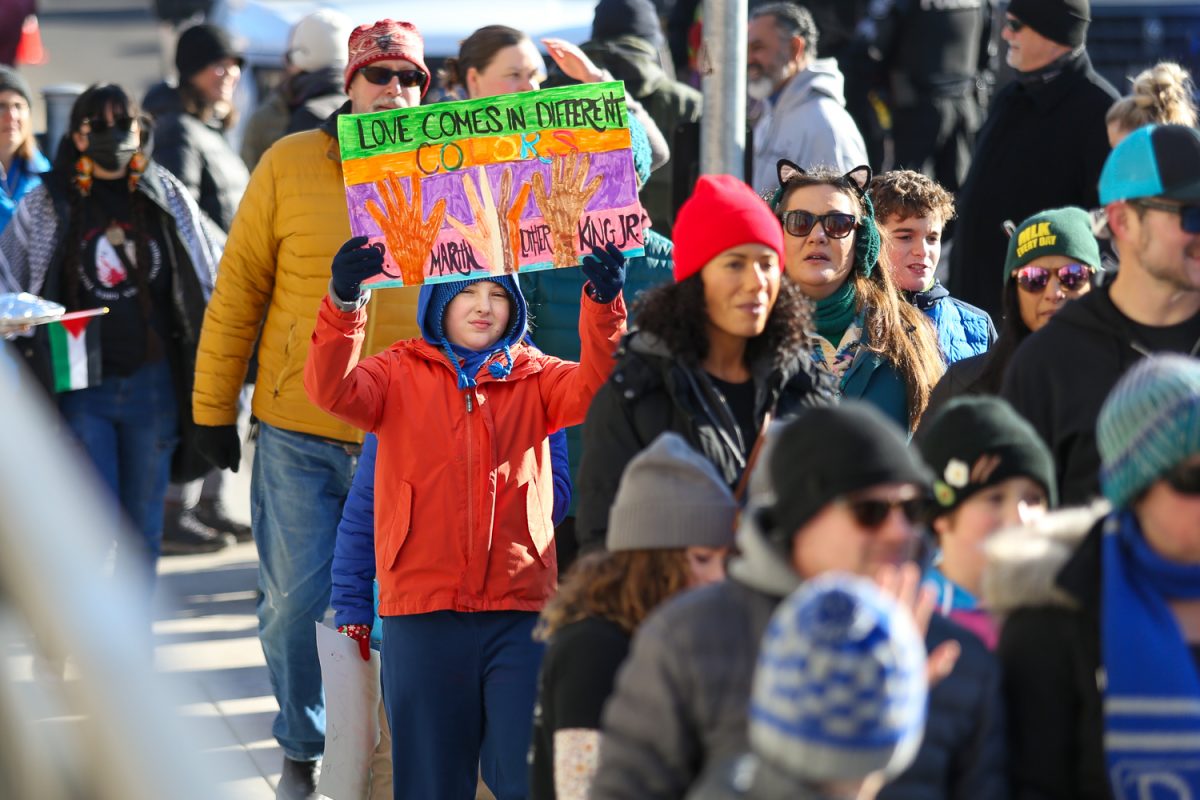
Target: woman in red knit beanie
714, 354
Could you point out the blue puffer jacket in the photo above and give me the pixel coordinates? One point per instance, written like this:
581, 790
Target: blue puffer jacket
354, 600
24, 176
553, 298
963, 330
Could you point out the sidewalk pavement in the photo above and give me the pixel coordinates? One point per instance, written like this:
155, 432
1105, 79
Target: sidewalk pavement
207, 636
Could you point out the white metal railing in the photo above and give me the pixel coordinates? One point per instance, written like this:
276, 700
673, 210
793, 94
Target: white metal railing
117, 735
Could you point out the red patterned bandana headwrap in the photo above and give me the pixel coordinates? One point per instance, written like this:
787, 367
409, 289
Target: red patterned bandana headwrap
386, 39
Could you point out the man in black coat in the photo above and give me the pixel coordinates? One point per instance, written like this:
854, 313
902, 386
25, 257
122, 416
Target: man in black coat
1060, 375
933, 54
1042, 146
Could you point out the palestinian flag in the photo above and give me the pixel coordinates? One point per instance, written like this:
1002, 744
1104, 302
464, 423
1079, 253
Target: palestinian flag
74, 354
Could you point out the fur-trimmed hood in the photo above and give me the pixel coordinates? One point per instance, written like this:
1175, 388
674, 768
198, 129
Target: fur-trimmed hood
1023, 563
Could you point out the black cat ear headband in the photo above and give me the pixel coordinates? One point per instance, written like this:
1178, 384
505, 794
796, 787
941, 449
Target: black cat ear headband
867, 245
858, 178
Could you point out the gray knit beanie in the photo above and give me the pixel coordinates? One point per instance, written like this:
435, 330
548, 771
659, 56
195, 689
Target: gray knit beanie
671, 496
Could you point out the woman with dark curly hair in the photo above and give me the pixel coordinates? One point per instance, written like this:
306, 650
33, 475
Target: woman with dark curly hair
876, 346
714, 355
672, 525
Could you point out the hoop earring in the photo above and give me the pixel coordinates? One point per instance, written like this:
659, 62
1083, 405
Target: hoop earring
137, 166
83, 175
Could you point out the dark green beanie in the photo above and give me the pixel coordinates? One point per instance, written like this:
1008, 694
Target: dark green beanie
980, 441
1056, 232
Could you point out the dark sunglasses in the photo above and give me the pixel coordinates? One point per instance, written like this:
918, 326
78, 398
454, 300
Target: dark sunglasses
1185, 479
1189, 216
382, 76
801, 223
1013, 24
871, 513
100, 124
1071, 276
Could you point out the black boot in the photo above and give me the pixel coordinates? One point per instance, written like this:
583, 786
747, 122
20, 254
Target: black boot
211, 512
183, 534
298, 780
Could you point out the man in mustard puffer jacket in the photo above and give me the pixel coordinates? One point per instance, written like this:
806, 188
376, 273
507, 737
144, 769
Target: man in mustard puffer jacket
275, 270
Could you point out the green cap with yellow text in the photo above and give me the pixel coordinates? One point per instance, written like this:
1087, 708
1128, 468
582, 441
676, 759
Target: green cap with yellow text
1055, 232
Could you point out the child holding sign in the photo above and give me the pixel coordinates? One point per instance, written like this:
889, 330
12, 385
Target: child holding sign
464, 540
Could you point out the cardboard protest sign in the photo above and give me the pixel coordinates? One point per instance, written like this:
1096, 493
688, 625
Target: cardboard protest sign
497, 185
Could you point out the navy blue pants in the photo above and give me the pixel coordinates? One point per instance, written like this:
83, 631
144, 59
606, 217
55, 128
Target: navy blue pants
459, 690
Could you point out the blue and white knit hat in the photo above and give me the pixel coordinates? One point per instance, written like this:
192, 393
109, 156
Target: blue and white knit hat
1149, 424
840, 688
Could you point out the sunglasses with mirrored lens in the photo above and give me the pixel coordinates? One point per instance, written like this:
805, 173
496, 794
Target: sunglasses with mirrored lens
1013, 24
1189, 216
100, 124
382, 76
871, 513
1071, 276
1185, 479
801, 223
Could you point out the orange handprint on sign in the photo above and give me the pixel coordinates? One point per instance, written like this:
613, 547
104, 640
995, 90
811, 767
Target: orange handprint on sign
495, 232
409, 237
512, 217
563, 206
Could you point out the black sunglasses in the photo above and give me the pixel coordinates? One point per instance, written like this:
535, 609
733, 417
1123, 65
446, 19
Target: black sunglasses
1189, 216
871, 512
100, 124
1071, 276
801, 223
382, 76
1185, 479
1013, 24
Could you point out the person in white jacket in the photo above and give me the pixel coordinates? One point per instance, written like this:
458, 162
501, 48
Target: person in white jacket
803, 116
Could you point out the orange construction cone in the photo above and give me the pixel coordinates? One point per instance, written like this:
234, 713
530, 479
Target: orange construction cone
29, 49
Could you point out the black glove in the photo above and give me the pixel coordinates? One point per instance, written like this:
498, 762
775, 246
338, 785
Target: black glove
353, 264
605, 271
220, 445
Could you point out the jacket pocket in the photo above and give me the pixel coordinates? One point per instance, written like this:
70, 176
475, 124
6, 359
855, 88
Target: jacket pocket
286, 358
396, 522
538, 522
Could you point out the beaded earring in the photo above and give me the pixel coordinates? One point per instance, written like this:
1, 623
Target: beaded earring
84, 168
137, 166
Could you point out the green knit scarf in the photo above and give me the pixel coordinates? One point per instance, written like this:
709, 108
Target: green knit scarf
836, 312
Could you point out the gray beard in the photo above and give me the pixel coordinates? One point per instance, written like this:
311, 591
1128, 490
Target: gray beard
760, 88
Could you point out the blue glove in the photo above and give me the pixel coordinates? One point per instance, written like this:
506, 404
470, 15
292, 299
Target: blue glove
353, 264
605, 271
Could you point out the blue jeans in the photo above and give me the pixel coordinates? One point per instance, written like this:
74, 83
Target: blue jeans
129, 427
297, 490
459, 690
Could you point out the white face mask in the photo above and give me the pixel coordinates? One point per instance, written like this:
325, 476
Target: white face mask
760, 89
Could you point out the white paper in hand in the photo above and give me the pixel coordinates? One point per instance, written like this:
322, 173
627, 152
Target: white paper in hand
351, 715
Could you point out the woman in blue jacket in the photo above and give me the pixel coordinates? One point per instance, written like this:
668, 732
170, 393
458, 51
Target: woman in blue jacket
21, 163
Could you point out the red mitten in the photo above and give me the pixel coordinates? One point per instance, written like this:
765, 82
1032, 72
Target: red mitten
360, 634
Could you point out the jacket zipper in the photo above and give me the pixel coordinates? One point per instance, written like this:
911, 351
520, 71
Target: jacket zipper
732, 442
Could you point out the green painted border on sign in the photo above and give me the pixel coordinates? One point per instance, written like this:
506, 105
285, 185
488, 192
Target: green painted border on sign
595, 106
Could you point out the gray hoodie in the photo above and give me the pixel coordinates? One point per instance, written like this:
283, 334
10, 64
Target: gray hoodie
808, 124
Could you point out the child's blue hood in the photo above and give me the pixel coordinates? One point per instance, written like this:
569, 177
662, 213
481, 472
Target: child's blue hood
431, 313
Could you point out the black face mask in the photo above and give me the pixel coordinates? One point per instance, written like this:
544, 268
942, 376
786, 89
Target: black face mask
112, 149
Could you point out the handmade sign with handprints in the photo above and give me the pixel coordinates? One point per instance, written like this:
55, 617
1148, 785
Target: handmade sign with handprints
513, 183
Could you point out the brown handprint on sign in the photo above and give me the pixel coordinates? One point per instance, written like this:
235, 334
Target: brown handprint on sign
409, 237
563, 207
